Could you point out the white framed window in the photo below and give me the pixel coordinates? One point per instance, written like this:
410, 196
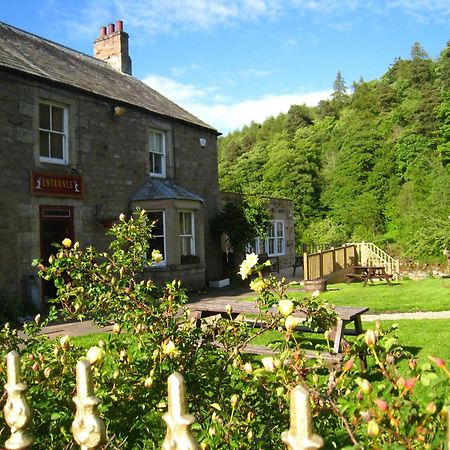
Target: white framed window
187, 233
275, 238
157, 153
53, 133
158, 241
274, 244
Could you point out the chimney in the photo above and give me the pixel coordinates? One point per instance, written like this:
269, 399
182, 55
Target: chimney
112, 47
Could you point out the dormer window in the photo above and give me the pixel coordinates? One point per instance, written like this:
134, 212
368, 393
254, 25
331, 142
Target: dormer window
53, 133
157, 153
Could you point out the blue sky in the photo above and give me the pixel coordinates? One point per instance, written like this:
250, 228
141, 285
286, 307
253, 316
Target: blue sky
231, 62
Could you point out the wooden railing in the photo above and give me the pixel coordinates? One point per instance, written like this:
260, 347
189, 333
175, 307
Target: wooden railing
371, 255
327, 262
89, 431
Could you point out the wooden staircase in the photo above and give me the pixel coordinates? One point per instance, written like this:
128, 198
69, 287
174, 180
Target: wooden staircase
371, 255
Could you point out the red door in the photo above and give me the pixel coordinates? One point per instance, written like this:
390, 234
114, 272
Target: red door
56, 223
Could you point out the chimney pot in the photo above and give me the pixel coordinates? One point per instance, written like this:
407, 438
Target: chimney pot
119, 25
110, 28
102, 31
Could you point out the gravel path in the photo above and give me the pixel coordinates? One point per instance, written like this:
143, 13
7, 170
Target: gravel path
412, 316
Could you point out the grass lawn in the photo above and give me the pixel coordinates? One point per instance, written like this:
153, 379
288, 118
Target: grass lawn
420, 337
403, 296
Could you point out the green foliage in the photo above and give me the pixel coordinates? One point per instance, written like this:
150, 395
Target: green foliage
242, 220
352, 158
239, 401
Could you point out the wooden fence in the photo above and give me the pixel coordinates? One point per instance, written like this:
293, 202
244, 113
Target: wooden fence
89, 431
329, 262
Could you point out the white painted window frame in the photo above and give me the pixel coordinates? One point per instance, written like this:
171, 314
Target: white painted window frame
65, 159
278, 238
152, 132
183, 235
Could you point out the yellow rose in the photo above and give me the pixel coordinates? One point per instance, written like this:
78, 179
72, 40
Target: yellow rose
157, 257
258, 285
169, 349
290, 323
67, 243
285, 307
373, 429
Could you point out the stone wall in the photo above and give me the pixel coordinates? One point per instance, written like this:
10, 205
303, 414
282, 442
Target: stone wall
111, 155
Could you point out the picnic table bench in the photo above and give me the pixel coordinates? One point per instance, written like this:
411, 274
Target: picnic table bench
234, 308
368, 273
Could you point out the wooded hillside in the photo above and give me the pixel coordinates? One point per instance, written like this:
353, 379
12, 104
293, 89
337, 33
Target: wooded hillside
372, 163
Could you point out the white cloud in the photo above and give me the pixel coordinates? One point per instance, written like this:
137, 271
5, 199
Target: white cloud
229, 117
224, 114
178, 92
148, 18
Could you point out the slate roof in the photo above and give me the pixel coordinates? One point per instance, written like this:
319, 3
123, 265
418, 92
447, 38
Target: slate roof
163, 190
36, 56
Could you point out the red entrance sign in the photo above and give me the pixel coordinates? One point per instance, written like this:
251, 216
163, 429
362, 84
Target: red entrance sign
56, 185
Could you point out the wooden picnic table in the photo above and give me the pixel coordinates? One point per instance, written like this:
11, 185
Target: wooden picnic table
368, 273
234, 308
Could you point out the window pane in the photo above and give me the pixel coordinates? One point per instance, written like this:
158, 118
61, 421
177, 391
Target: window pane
156, 142
157, 243
56, 143
186, 223
44, 116
279, 229
186, 245
271, 230
57, 119
158, 229
279, 246
43, 144
155, 163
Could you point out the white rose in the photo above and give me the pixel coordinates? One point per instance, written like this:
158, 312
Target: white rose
245, 269
252, 259
95, 354
268, 363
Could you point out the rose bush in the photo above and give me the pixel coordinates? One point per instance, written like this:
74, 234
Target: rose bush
240, 401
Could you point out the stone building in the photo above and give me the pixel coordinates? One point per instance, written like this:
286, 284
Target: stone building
82, 142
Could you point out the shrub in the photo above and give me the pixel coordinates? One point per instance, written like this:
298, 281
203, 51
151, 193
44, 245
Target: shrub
240, 401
